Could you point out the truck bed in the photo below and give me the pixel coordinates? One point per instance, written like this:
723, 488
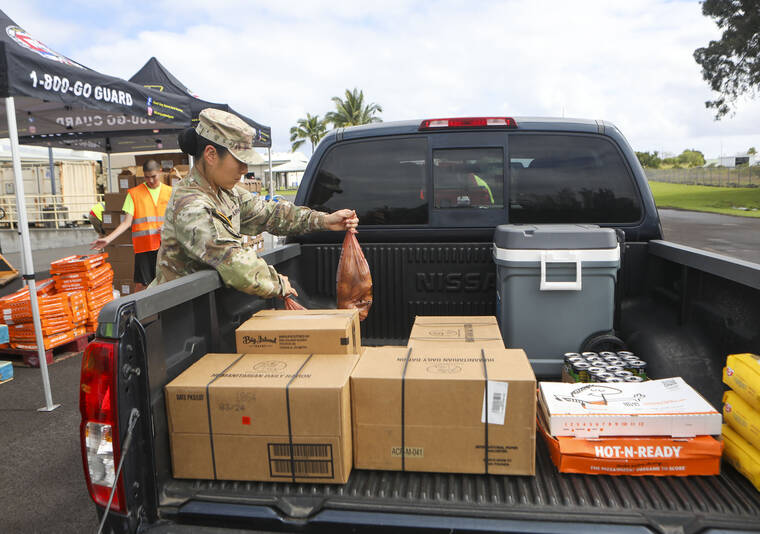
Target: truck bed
684, 308
478, 502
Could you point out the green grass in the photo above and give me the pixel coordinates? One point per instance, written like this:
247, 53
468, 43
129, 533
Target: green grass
724, 200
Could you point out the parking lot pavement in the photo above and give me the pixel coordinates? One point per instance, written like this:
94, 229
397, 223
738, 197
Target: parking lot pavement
42, 487
738, 237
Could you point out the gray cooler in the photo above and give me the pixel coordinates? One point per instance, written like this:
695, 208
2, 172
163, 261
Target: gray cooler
555, 287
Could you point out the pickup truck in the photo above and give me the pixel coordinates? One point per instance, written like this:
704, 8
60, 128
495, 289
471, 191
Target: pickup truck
429, 195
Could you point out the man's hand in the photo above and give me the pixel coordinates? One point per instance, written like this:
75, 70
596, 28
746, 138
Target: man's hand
100, 244
342, 220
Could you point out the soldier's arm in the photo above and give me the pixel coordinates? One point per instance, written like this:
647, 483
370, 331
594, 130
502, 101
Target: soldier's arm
209, 239
278, 218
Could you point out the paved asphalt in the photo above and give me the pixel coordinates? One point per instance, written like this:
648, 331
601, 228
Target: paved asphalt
42, 487
738, 237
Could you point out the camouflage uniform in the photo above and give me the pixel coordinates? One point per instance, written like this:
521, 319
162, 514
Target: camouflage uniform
203, 230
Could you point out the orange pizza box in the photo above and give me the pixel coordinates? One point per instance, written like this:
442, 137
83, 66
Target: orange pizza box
634, 455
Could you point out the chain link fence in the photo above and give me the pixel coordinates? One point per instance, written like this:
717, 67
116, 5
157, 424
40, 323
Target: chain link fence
716, 176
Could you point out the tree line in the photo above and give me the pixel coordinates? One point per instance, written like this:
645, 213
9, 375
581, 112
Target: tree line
351, 110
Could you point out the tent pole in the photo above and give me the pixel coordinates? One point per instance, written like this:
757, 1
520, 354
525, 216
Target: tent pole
109, 181
191, 161
26, 250
272, 188
52, 171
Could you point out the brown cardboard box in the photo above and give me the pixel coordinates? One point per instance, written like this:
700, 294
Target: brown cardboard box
122, 260
464, 332
114, 201
112, 219
127, 181
124, 239
439, 405
257, 405
124, 286
300, 332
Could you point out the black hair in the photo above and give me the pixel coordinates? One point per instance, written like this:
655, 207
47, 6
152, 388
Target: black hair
193, 144
151, 165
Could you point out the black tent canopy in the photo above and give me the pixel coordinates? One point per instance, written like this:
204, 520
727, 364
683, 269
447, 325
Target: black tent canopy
154, 75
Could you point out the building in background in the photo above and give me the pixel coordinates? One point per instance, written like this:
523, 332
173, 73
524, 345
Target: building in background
287, 167
734, 161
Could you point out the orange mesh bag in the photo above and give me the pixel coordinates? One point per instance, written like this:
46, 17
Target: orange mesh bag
354, 279
292, 304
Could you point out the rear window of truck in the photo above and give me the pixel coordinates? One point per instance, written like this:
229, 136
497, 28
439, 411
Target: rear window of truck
556, 178
382, 179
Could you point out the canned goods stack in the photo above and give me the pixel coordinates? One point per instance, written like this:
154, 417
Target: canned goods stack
607, 367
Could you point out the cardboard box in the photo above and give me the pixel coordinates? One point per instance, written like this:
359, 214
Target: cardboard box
124, 239
257, 405
122, 260
418, 410
114, 201
742, 455
6, 370
127, 181
473, 331
739, 415
742, 374
112, 219
668, 407
634, 455
300, 332
124, 286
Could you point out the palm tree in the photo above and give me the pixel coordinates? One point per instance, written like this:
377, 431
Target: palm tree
311, 128
353, 111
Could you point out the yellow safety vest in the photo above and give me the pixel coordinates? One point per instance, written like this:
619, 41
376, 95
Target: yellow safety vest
482, 183
97, 210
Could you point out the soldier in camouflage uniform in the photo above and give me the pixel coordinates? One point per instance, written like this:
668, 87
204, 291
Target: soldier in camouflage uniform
208, 214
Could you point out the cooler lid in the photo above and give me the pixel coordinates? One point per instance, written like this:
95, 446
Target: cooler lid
554, 237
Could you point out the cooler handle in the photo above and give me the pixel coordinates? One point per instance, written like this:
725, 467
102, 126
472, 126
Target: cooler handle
565, 257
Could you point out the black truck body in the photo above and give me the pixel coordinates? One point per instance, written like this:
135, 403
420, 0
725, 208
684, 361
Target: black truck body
681, 308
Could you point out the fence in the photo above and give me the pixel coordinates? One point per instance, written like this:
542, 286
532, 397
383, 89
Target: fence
49, 211
717, 176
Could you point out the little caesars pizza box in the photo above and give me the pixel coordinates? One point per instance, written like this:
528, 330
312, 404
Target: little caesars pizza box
668, 407
300, 332
416, 410
464, 332
263, 417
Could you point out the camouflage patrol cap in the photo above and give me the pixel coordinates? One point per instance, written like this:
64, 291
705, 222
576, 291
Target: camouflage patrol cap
228, 130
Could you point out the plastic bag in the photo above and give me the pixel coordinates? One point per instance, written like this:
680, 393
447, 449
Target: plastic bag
292, 304
354, 279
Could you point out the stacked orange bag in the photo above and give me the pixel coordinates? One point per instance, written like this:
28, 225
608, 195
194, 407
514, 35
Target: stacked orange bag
87, 280
56, 317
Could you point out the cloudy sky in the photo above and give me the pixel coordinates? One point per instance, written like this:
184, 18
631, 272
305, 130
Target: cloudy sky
627, 62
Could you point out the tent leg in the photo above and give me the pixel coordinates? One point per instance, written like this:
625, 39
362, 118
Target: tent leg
52, 171
272, 188
26, 249
109, 182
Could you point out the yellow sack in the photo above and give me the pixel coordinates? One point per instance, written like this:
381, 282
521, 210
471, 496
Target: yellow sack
742, 374
740, 416
743, 456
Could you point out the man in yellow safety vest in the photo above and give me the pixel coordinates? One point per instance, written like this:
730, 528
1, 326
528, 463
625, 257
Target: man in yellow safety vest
144, 206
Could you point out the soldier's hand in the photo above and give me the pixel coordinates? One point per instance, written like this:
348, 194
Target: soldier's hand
287, 289
342, 220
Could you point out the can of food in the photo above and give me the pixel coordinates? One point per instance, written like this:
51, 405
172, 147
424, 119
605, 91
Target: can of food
570, 360
624, 353
601, 377
606, 353
623, 374
594, 359
634, 379
616, 363
611, 358
614, 368
614, 379
637, 367
596, 369
580, 369
588, 354
630, 358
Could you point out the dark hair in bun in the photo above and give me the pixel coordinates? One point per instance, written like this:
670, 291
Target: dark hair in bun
193, 144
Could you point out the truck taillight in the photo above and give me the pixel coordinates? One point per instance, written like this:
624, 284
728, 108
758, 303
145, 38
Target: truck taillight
468, 122
99, 431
